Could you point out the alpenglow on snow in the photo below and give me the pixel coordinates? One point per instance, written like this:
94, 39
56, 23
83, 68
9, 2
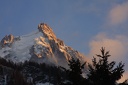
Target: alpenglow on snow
40, 46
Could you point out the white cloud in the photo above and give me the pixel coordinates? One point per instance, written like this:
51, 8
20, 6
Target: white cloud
118, 14
117, 46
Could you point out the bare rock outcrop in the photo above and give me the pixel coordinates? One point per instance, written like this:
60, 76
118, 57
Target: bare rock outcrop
47, 31
7, 40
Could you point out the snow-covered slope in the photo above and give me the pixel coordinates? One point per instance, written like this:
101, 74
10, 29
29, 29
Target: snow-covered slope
40, 46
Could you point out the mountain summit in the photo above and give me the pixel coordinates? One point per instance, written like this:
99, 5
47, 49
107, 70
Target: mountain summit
40, 46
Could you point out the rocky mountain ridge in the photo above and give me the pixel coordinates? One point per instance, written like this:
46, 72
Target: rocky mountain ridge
40, 46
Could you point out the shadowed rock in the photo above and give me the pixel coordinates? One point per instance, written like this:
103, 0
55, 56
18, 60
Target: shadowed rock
7, 40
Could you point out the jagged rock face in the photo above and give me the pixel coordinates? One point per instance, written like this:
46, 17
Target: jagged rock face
41, 46
7, 40
47, 31
54, 48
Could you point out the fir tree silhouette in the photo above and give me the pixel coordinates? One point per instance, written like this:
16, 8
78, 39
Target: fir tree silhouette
75, 71
103, 72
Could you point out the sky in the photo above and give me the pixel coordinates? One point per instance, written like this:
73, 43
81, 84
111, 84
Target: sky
85, 25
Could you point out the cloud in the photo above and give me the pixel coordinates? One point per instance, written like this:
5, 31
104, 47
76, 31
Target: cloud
116, 45
118, 14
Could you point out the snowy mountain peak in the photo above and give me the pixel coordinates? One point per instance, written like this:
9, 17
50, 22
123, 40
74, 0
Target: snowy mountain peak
40, 46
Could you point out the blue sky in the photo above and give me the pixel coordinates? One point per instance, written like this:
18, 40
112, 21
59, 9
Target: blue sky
85, 25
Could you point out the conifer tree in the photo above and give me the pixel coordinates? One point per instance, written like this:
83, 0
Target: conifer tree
103, 72
75, 71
